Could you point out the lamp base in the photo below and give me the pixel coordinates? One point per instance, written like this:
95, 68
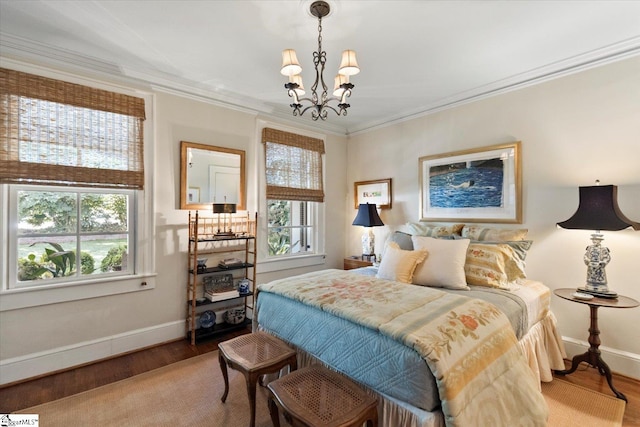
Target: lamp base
600, 294
368, 257
368, 242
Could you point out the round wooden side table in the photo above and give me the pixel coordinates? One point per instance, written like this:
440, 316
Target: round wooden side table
592, 356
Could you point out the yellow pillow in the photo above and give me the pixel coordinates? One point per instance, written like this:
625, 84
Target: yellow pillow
493, 265
398, 264
477, 232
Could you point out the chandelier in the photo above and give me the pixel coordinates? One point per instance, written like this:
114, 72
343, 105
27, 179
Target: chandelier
319, 104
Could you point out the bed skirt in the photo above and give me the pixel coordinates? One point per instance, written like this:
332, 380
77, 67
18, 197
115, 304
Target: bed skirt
542, 347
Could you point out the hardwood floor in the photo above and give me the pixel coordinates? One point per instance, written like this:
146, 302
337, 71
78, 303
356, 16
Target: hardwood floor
59, 385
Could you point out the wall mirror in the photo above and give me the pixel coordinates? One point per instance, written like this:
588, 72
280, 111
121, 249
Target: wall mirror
210, 174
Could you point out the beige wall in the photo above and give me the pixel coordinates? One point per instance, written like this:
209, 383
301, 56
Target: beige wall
98, 327
574, 130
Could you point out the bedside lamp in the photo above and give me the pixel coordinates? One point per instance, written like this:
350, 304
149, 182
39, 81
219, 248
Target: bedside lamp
598, 210
224, 209
368, 217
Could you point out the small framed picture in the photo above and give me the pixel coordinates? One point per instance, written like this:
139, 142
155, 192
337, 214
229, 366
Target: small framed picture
376, 192
193, 195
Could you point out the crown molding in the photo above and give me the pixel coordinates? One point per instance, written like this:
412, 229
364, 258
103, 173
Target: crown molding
595, 58
14, 48
50, 56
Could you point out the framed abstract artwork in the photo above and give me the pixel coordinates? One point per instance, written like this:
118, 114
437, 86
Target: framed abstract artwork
376, 192
476, 185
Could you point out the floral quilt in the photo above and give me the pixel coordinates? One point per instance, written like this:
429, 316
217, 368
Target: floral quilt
468, 344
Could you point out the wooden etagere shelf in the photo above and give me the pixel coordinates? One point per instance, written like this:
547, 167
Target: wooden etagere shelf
215, 239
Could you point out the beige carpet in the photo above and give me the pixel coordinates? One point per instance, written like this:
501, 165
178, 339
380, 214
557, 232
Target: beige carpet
572, 405
188, 393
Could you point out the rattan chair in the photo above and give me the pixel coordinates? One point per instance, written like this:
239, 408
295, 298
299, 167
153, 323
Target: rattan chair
315, 396
254, 355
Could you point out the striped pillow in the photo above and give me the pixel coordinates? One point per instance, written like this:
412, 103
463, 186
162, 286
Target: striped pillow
493, 265
475, 232
430, 230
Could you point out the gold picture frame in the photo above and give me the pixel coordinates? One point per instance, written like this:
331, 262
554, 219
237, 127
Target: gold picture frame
476, 185
376, 192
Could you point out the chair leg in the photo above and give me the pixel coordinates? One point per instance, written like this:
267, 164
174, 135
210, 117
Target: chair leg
251, 390
225, 375
273, 411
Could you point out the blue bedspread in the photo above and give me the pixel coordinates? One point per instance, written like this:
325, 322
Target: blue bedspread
373, 359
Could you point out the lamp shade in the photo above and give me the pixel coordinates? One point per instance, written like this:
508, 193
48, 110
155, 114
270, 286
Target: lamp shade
290, 64
598, 210
367, 216
224, 208
297, 79
348, 64
339, 80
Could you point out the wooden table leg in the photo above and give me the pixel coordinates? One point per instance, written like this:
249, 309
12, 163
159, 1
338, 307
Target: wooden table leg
592, 356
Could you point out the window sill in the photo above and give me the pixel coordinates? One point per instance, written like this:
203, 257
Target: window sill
15, 299
269, 265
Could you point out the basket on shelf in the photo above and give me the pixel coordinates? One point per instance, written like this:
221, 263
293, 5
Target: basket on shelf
218, 283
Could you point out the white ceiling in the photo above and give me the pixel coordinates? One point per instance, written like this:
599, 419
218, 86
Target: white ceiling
415, 56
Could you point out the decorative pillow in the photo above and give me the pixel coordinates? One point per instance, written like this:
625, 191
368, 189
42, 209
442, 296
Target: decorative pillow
521, 247
494, 265
475, 232
430, 230
444, 266
398, 264
403, 240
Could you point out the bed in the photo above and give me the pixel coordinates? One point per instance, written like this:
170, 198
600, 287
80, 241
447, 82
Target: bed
434, 355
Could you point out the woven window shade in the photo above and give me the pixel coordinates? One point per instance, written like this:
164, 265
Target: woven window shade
59, 133
293, 166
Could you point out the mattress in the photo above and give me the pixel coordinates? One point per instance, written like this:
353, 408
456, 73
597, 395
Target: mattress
376, 360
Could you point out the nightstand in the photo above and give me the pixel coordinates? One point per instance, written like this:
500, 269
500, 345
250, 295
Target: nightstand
592, 356
356, 262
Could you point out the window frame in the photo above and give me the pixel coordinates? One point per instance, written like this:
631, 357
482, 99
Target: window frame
284, 262
144, 277
12, 283
312, 228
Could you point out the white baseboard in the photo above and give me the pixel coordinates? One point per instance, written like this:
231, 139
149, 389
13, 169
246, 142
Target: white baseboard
619, 361
35, 364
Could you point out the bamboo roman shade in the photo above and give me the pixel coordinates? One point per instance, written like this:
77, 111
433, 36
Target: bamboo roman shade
59, 133
293, 165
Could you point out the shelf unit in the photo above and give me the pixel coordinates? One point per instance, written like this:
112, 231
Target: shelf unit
208, 240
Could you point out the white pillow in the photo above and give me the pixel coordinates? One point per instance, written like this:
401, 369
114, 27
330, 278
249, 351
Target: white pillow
444, 266
398, 264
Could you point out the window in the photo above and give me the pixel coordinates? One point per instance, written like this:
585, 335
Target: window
290, 227
293, 171
66, 235
72, 165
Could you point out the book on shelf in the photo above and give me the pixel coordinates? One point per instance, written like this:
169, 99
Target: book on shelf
219, 296
230, 262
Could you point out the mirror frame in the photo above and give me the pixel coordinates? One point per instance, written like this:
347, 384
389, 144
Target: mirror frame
184, 145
